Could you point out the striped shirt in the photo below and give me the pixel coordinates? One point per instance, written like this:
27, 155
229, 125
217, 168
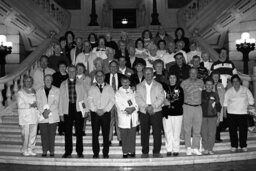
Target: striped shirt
72, 91
192, 91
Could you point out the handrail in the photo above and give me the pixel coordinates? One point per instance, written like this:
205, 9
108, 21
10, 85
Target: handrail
12, 81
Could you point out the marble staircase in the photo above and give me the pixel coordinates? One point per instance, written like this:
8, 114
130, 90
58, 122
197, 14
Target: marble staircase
10, 144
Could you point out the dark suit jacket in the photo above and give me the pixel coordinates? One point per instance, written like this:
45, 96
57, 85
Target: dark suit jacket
135, 80
137, 60
119, 76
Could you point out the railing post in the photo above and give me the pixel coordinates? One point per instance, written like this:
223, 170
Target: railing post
8, 93
254, 81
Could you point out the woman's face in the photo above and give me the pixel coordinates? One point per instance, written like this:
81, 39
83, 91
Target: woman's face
146, 35
215, 78
161, 46
80, 70
159, 68
70, 38
179, 34
102, 43
28, 83
139, 45
139, 68
92, 38
172, 79
236, 83
98, 65
48, 81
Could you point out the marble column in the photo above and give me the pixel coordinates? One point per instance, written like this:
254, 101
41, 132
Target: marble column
155, 15
93, 15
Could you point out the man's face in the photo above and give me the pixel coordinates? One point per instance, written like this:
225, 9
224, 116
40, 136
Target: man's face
159, 67
171, 46
193, 74
205, 57
179, 60
79, 43
62, 68
161, 46
113, 68
215, 78
48, 81
72, 72
122, 46
101, 42
208, 86
148, 74
108, 37
131, 51
110, 53
122, 62
87, 47
100, 77
44, 63
196, 62
80, 70
125, 83
57, 49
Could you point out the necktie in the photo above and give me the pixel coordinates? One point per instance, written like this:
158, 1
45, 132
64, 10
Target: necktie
113, 82
43, 72
101, 88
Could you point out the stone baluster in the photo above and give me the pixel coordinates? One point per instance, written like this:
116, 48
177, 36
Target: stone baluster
15, 89
1, 96
21, 80
8, 93
254, 81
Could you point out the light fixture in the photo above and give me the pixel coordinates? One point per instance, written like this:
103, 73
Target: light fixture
5, 49
245, 45
124, 21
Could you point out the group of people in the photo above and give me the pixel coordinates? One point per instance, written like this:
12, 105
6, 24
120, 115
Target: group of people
127, 87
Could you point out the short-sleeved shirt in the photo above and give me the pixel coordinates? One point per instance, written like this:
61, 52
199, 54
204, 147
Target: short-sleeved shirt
192, 91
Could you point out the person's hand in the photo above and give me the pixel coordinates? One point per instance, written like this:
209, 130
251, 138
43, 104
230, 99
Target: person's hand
46, 113
62, 118
166, 102
218, 120
130, 110
150, 109
33, 105
100, 112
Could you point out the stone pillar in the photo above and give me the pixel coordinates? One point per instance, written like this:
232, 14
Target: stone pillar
155, 15
93, 15
254, 81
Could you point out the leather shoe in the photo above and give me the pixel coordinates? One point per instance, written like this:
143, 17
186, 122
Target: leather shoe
125, 155
44, 155
95, 156
80, 156
157, 155
132, 155
168, 154
66, 156
51, 155
145, 155
106, 156
175, 154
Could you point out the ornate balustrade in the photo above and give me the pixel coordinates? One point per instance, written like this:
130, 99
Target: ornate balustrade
11, 83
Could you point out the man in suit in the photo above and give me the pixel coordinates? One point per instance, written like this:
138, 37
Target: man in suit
122, 67
76, 50
150, 97
133, 60
101, 100
110, 54
72, 92
114, 79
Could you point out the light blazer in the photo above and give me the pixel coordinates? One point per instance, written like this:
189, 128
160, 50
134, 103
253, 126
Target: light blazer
122, 98
52, 101
104, 100
81, 94
157, 96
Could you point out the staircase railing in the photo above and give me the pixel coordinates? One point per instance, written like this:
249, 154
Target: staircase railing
11, 83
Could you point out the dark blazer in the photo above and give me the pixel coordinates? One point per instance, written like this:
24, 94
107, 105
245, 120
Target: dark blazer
119, 76
135, 80
137, 60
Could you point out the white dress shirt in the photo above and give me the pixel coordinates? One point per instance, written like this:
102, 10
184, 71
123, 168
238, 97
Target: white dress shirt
110, 80
148, 89
122, 70
238, 101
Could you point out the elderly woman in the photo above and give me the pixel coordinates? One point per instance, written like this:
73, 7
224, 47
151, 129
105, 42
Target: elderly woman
173, 115
100, 50
28, 116
127, 110
48, 105
160, 74
236, 101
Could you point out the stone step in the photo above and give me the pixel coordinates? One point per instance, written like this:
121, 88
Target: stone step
118, 161
15, 148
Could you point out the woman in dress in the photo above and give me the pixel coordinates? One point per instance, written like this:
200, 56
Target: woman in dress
28, 116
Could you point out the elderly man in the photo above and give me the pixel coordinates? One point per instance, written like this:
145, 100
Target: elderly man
101, 100
72, 95
150, 97
114, 79
192, 115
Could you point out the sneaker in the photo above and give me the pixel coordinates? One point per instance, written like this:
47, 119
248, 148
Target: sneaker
196, 152
244, 149
189, 151
31, 153
233, 149
211, 152
26, 153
